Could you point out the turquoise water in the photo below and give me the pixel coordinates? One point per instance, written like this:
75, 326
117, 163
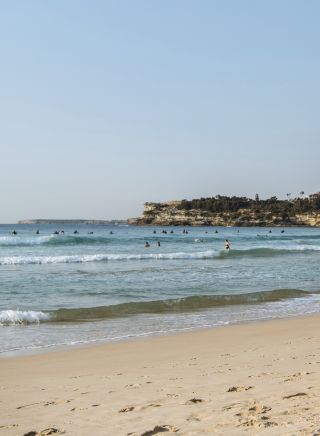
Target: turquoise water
102, 284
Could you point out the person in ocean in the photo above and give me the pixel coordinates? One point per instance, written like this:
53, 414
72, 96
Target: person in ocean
159, 244
14, 232
147, 245
227, 245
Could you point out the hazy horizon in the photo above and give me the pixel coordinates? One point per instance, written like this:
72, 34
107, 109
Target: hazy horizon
109, 104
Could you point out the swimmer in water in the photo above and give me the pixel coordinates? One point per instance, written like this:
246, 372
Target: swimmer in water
147, 245
227, 245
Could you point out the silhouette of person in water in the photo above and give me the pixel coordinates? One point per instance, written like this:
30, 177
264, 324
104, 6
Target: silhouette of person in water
158, 243
14, 232
227, 245
147, 245
75, 232
56, 232
37, 232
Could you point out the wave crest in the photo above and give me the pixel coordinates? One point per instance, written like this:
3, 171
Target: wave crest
186, 304
20, 260
18, 317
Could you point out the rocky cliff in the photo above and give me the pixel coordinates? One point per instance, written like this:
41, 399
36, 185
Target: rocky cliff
170, 214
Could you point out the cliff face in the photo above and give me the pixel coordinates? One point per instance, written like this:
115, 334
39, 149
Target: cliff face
169, 214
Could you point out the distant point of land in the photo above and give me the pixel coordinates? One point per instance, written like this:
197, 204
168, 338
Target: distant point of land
72, 221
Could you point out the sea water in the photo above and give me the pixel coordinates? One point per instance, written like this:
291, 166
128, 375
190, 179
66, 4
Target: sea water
101, 284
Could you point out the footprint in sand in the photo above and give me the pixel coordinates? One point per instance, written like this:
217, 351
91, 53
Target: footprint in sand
160, 429
255, 417
299, 394
194, 401
150, 405
45, 432
126, 409
55, 403
193, 418
263, 422
239, 388
133, 386
8, 426
296, 376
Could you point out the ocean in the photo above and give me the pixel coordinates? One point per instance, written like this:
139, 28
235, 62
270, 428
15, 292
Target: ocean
101, 284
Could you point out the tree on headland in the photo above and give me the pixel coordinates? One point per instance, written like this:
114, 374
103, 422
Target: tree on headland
223, 204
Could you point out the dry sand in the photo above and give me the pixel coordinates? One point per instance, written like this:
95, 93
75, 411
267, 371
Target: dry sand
246, 379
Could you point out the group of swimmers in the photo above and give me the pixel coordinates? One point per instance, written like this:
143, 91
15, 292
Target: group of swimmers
147, 245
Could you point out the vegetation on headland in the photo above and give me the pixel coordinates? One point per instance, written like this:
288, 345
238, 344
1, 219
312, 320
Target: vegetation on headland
221, 203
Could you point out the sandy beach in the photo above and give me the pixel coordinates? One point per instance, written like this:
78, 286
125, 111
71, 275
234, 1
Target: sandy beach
260, 378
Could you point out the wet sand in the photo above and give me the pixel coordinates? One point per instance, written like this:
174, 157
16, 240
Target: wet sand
261, 378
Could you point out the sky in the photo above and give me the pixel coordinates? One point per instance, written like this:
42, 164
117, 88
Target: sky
105, 105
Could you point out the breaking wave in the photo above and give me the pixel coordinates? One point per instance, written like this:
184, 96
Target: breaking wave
16, 317
209, 254
52, 240
19, 260
202, 302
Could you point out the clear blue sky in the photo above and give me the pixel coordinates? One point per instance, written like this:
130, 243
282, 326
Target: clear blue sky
107, 104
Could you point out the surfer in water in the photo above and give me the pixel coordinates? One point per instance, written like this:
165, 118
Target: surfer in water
227, 245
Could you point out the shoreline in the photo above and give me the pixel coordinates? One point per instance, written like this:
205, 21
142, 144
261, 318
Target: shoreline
259, 376
57, 348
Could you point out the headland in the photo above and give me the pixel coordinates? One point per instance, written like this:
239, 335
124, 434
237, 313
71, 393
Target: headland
233, 212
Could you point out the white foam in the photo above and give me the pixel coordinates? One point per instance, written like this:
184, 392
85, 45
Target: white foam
20, 260
20, 241
14, 317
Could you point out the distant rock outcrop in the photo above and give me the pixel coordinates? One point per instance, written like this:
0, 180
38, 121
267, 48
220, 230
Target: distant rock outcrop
171, 214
